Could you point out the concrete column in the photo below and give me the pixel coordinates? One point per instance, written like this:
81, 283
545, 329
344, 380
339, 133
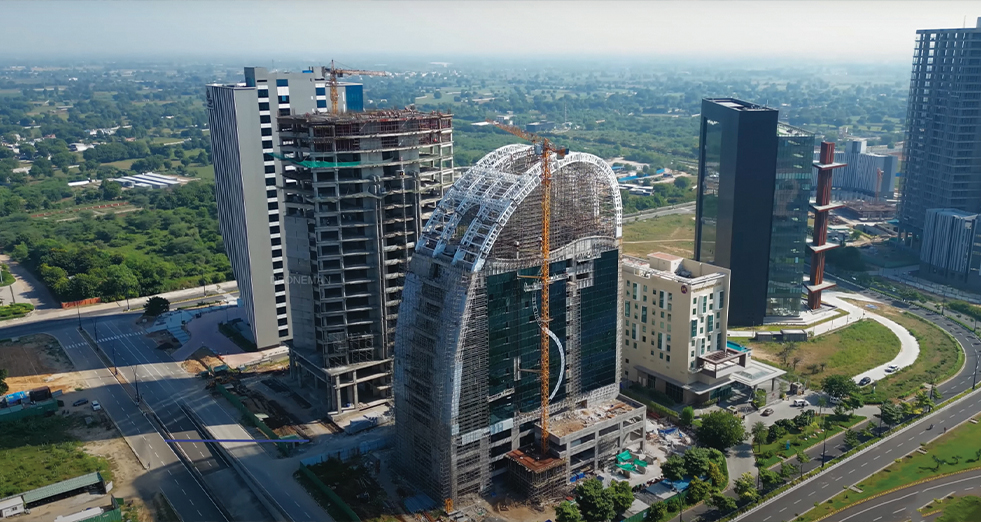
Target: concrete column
773, 384
337, 392
354, 388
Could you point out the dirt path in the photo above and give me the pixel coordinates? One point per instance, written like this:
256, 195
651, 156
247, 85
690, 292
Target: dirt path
27, 289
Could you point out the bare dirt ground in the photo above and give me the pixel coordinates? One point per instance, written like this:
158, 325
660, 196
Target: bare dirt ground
165, 341
37, 360
198, 361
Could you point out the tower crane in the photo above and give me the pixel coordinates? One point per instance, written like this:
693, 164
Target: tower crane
543, 149
878, 183
332, 73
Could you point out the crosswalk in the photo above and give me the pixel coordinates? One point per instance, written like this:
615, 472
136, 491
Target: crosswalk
84, 344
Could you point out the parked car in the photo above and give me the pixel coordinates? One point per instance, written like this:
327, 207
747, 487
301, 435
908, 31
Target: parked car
891, 368
834, 400
80, 402
800, 402
865, 381
767, 412
733, 410
96, 406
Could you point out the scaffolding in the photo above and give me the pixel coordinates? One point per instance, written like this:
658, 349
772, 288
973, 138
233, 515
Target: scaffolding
538, 477
469, 329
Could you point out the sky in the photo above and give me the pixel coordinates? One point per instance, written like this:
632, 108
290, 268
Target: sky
836, 31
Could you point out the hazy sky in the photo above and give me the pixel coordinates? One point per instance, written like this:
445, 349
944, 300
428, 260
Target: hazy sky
854, 31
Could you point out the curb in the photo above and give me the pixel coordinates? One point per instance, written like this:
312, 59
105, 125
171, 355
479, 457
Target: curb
898, 488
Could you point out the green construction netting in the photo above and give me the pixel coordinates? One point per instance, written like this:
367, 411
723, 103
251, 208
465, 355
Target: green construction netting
320, 164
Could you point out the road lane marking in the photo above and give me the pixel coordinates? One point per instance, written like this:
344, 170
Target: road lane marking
877, 518
851, 471
811, 493
877, 456
865, 464
899, 511
798, 501
888, 450
767, 518
966, 489
169, 473
824, 486
782, 510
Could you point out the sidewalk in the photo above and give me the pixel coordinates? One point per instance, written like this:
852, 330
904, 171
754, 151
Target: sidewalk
135, 303
909, 348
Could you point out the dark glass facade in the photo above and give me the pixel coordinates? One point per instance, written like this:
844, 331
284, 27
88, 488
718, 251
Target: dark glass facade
751, 215
788, 232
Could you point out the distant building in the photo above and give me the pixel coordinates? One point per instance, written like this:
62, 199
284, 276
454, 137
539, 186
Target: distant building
950, 252
751, 206
540, 126
860, 177
675, 324
941, 162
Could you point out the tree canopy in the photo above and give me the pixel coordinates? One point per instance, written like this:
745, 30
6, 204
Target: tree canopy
721, 430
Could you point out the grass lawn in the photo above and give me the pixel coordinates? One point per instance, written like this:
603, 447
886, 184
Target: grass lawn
849, 351
206, 172
799, 440
121, 164
958, 509
39, 451
674, 234
940, 356
959, 450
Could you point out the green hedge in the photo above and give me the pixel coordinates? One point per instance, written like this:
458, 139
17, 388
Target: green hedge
15, 310
6, 278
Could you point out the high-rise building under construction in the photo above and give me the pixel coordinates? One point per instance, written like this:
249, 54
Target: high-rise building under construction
360, 185
467, 344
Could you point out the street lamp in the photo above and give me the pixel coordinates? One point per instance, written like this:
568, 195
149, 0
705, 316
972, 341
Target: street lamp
975, 384
79, 312
136, 374
824, 449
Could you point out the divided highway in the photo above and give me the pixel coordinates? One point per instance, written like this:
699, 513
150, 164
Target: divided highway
853, 470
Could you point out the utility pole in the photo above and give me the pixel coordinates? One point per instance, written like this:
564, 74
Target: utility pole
79, 312
115, 367
136, 374
824, 449
95, 321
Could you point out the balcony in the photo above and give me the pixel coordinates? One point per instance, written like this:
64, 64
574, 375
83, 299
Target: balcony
723, 362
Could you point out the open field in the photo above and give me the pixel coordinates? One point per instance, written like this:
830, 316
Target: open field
674, 234
956, 451
38, 451
940, 356
956, 509
849, 351
36, 360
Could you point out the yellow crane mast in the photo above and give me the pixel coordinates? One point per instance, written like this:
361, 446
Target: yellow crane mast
543, 148
332, 73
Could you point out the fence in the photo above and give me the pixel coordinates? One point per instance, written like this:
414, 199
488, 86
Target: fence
232, 398
335, 505
350, 452
21, 411
83, 302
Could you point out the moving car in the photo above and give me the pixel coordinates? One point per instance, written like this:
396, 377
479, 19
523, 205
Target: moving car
865, 381
80, 402
96, 406
767, 412
891, 368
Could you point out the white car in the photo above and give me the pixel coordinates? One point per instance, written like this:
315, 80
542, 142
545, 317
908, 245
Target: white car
96, 406
892, 368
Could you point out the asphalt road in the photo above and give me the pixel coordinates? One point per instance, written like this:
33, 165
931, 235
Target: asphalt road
165, 468
857, 468
900, 506
163, 383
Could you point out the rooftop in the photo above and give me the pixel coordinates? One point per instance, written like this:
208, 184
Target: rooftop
739, 105
683, 273
582, 418
533, 461
789, 130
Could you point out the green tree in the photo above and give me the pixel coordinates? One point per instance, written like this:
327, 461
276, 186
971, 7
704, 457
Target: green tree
110, 190
3, 381
697, 461
745, 487
687, 416
656, 512
721, 430
698, 490
721, 502
851, 438
567, 512
716, 476
787, 470
770, 479
890, 414
802, 459
923, 402
935, 393
838, 386
620, 495
759, 431
674, 467
156, 305
120, 283
594, 505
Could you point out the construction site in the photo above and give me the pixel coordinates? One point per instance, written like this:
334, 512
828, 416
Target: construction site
510, 320
357, 188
